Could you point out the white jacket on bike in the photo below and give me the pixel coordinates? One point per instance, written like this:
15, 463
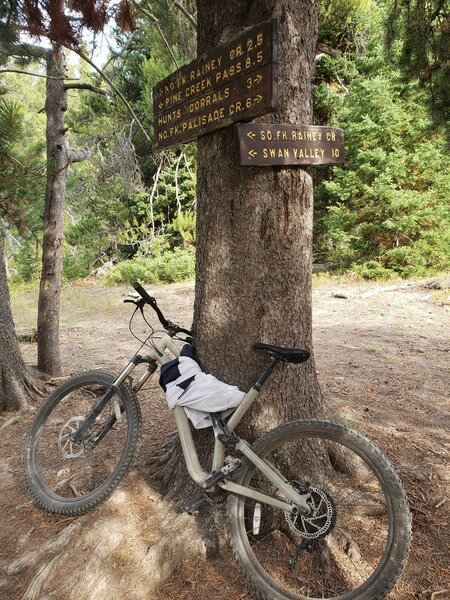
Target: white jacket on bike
200, 393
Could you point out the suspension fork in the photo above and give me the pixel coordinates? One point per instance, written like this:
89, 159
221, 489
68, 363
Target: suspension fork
78, 435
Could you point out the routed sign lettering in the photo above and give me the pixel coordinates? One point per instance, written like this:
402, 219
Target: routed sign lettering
271, 145
230, 83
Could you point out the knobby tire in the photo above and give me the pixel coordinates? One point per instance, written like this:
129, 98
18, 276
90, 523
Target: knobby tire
365, 541
69, 479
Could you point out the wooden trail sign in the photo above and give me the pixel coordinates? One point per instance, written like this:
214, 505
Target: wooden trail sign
271, 145
230, 83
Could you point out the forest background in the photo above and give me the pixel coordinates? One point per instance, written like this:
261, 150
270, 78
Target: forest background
130, 212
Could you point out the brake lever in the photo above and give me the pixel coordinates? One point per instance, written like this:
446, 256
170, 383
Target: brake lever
138, 303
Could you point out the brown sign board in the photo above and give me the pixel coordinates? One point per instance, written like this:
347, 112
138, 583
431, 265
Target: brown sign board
234, 82
271, 145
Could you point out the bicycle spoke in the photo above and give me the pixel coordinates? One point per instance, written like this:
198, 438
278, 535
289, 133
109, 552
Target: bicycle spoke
336, 547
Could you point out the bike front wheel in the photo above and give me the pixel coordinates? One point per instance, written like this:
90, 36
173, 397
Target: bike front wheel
353, 544
70, 478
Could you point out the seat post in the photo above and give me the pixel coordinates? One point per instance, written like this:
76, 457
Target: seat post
266, 373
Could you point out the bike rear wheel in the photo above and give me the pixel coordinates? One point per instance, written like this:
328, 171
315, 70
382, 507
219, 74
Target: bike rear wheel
354, 543
70, 478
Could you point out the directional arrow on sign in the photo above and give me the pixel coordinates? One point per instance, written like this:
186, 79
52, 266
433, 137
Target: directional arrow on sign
258, 78
251, 135
258, 98
160, 105
252, 153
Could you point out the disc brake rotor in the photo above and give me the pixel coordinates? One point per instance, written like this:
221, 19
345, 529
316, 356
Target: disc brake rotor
318, 522
67, 447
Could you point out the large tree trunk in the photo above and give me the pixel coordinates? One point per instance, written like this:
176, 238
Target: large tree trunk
254, 239
255, 229
16, 382
53, 240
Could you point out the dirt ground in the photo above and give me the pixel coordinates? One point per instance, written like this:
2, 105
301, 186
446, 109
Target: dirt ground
382, 354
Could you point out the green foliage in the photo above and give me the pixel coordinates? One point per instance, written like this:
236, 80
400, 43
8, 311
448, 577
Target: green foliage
418, 37
178, 265
371, 270
27, 260
170, 267
343, 23
22, 172
75, 267
386, 210
185, 224
123, 203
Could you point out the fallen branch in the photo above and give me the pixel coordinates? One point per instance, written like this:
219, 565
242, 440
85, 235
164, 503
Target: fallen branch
439, 593
419, 510
443, 501
324, 49
391, 288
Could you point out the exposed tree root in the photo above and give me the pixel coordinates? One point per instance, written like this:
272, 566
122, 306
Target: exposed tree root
126, 549
167, 470
16, 392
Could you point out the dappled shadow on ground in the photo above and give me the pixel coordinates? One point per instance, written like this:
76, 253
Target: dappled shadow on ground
382, 359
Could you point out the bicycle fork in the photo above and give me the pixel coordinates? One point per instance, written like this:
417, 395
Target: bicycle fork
79, 434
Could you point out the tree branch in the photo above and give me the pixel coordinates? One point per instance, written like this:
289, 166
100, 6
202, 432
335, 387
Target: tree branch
105, 77
324, 49
30, 51
77, 155
152, 17
85, 86
186, 13
32, 74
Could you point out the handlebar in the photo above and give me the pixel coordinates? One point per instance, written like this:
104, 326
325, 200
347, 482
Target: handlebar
168, 325
143, 293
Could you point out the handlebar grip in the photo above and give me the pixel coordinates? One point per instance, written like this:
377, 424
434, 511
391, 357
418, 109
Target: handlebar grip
143, 293
152, 301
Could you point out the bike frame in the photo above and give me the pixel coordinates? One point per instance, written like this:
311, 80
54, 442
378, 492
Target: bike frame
294, 501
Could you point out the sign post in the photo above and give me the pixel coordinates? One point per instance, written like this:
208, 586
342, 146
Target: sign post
230, 83
272, 145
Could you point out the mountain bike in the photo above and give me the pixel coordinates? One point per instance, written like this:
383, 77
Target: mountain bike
314, 509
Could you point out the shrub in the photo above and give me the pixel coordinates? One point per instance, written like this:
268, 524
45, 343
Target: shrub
178, 265
170, 267
136, 269
371, 270
75, 267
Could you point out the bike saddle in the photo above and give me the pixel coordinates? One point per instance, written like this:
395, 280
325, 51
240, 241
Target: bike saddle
291, 355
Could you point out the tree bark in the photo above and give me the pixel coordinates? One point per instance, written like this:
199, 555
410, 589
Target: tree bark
53, 239
16, 382
254, 240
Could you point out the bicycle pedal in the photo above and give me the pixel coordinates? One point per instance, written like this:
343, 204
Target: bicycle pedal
229, 439
191, 508
214, 478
